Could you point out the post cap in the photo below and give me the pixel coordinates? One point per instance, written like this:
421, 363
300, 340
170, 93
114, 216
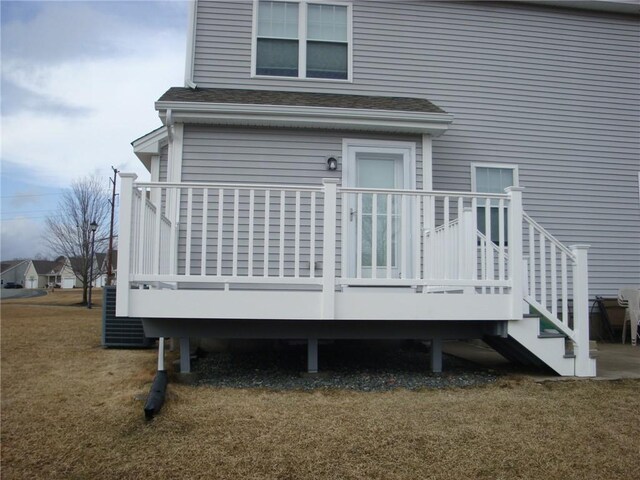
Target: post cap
580, 247
514, 189
330, 180
128, 175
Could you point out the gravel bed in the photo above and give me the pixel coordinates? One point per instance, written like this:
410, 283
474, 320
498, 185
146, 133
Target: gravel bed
351, 365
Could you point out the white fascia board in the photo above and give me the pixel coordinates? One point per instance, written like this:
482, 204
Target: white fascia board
434, 124
149, 145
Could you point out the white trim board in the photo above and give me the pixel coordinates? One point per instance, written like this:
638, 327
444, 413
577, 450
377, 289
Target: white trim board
434, 124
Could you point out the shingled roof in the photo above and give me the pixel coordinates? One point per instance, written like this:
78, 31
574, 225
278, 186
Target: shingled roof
303, 99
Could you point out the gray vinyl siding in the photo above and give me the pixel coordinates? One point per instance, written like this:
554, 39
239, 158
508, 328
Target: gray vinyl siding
553, 90
254, 155
164, 162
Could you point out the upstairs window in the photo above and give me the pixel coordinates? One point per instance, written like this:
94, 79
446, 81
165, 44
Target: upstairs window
302, 39
493, 178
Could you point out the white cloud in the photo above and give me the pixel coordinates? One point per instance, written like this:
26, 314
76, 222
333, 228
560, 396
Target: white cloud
20, 238
110, 88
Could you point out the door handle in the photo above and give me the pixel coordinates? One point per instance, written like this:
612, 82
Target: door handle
352, 212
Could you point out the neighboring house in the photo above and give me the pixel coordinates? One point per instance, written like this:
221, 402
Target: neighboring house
45, 273
102, 265
338, 170
13, 271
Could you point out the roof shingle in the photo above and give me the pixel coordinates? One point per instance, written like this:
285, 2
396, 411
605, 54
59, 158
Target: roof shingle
305, 99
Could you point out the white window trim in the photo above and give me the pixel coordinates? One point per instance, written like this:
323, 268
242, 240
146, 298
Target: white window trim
302, 42
378, 146
514, 167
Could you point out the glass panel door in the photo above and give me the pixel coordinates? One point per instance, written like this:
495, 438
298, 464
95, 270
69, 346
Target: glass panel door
380, 170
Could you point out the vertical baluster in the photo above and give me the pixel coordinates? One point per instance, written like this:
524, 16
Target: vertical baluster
474, 236
543, 271
176, 193
416, 229
234, 251
554, 280
483, 261
489, 248
158, 240
282, 230
532, 262
344, 236
565, 295
460, 241
142, 210
205, 219
359, 236
404, 217
374, 235
187, 266
432, 238
312, 236
220, 232
423, 235
501, 254
296, 239
252, 198
389, 234
447, 242
265, 258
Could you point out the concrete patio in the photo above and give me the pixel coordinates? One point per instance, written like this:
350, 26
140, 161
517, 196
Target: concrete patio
615, 361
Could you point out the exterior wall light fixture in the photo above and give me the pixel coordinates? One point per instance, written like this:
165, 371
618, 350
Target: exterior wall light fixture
332, 163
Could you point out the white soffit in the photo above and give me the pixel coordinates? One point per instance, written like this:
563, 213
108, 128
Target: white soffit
431, 123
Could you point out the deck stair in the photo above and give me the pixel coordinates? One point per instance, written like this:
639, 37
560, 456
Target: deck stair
527, 345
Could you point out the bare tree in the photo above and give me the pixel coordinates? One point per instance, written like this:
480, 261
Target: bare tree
68, 231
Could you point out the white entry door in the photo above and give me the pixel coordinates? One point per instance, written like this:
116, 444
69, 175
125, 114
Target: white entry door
379, 226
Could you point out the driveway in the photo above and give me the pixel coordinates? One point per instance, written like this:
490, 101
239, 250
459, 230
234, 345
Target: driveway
21, 292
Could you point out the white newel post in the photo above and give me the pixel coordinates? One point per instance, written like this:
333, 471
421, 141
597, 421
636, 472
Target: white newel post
470, 246
525, 283
515, 250
329, 248
124, 243
581, 312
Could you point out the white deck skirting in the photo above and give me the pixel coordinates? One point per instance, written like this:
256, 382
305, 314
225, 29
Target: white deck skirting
290, 305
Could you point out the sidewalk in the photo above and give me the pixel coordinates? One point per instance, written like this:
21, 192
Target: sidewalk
614, 361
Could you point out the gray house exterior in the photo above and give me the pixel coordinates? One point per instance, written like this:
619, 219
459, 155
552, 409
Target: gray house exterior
483, 95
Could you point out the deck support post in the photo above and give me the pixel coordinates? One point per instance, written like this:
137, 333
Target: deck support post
515, 251
124, 243
329, 248
583, 363
436, 355
312, 355
185, 355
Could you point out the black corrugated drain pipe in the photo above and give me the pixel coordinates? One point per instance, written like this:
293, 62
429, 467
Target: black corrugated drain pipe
155, 400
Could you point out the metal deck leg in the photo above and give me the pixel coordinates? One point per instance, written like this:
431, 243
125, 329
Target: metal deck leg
312, 355
436, 355
185, 355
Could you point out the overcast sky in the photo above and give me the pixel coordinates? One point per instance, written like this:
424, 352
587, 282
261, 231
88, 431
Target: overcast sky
79, 80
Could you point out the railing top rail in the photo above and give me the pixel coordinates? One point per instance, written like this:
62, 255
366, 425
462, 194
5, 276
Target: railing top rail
230, 186
439, 193
549, 237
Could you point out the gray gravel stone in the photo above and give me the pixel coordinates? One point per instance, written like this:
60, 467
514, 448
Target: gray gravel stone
350, 365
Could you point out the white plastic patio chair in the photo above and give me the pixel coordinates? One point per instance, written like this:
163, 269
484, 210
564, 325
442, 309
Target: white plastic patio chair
629, 298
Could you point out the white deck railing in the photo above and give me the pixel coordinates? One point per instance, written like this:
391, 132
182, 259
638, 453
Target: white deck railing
329, 237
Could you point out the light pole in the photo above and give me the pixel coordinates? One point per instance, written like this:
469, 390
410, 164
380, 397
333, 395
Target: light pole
94, 227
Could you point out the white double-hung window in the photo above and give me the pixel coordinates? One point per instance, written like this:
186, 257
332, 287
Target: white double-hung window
302, 39
492, 178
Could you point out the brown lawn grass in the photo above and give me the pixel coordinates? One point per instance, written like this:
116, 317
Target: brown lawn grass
69, 411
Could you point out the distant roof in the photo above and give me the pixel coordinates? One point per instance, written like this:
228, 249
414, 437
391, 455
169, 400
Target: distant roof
45, 267
4, 266
304, 99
